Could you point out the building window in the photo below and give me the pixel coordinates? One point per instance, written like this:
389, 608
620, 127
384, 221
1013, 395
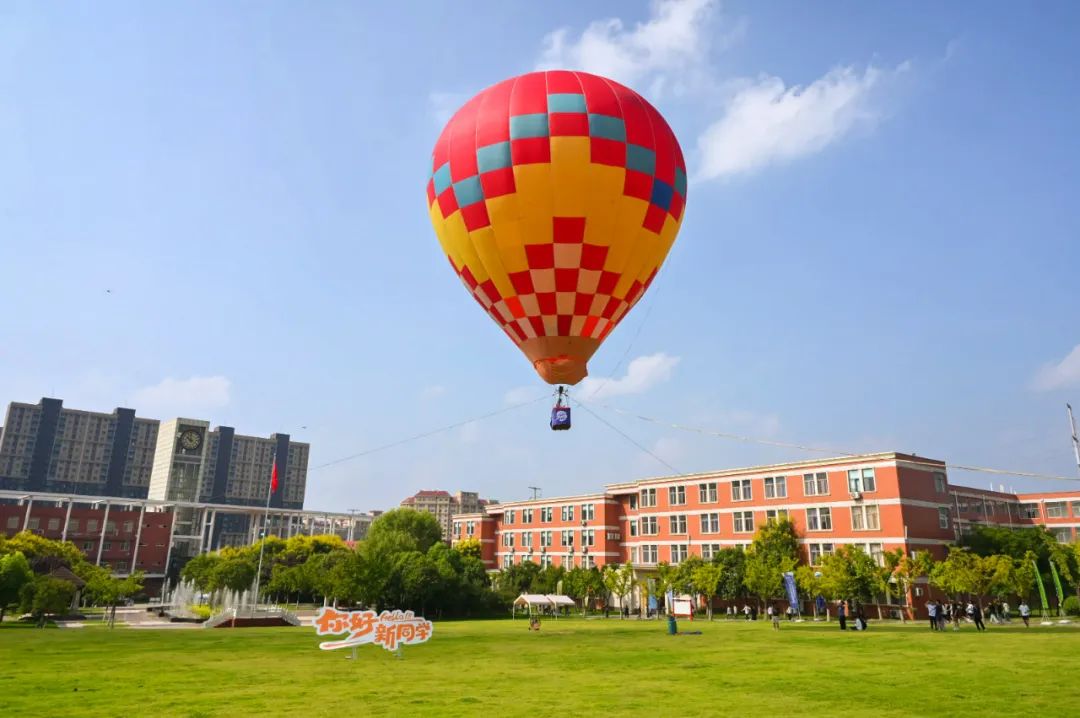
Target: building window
861, 480
648, 497
13, 522
73, 525
588, 562
877, 552
633, 527
649, 553
91, 525
545, 560
676, 495
1076, 509
567, 513
707, 493
709, 551
744, 521
817, 550
677, 524
588, 512
35, 522
816, 484
509, 516
508, 540
508, 560
1063, 535
457, 528
1054, 510
865, 518
470, 527
588, 537
526, 516
545, 538
679, 552
741, 491
526, 539
87, 545
774, 514
819, 519
567, 538
108, 546
546, 513
943, 517
710, 523
54, 524
1029, 511
649, 526
776, 487
633, 501
939, 482
129, 526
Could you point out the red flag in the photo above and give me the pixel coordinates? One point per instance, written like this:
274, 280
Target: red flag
273, 479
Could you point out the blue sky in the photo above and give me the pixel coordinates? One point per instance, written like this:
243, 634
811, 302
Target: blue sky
879, 253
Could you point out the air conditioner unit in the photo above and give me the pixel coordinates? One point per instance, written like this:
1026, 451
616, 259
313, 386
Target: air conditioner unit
855, 495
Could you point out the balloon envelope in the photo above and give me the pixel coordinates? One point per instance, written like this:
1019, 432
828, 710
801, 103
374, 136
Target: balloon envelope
556, 197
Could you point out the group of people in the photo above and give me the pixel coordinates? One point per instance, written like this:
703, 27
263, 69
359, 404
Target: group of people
942, 614
845, 609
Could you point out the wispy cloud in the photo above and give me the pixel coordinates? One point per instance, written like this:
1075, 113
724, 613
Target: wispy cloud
443, 105
1064, 374
432, 392
520, 395
192, 397
670, 41
764, 121
642, 374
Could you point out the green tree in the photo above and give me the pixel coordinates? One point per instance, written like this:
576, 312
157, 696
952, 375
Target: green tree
907, 570
106, 590
469, 547
619, 581
808, 578
235, 572
15, 573
774, 551
706, 580
421, 527
732, 563
851, 573
199, 569
46, 595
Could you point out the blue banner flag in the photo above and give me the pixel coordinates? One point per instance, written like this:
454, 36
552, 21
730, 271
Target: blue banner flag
792, 594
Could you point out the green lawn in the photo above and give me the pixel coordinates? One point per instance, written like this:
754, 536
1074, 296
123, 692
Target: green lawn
571, 667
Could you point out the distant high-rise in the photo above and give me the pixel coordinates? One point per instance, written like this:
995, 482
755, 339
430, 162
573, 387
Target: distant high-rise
46, 447
444, 505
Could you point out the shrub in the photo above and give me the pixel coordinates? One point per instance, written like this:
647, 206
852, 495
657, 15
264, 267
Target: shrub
201, 611
1071, 606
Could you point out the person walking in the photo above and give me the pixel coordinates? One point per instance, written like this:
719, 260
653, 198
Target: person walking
841, 615
956, 611
774, 615
1025, 613
977, 617
932, 608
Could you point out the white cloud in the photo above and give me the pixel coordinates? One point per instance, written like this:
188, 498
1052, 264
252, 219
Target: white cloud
1062, 375
766, 122
182, 397
641, 375
444, 104
674, 37
432, 392
520, 395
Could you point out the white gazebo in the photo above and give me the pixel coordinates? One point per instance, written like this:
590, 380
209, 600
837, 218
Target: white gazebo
535, 603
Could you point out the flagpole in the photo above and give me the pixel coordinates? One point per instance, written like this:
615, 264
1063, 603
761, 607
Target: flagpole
266, 517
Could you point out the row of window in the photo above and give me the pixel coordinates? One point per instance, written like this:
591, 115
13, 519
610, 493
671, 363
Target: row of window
547, 560
863, 518
566, 513
566, 538
53, 524
774, 487
677, 553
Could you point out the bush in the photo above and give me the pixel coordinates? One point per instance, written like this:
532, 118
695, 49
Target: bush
201, 611
1071, 606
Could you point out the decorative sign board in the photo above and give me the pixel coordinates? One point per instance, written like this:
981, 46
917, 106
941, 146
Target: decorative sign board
389, 629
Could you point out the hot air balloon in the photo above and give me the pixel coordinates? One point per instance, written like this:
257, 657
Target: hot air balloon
556, 197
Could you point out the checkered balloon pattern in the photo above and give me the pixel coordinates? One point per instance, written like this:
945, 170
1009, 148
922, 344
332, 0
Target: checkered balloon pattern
556, 197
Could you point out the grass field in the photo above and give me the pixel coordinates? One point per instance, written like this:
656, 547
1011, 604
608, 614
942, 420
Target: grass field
572, 666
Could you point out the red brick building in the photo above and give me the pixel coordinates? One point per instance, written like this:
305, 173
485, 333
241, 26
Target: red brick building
878, 501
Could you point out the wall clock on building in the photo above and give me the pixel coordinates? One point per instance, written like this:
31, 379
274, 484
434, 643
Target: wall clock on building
190, 440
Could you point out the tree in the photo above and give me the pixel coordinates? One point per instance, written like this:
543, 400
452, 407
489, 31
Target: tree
908, 569
706, 579
775, 550
421, 527
46, 595
108, 591
808, 578
15, 573
469, 547
851, 573
199, 569
581, 584
235, 572
732, 563
619, 581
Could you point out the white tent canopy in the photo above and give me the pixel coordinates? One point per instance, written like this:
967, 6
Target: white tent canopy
535, 601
